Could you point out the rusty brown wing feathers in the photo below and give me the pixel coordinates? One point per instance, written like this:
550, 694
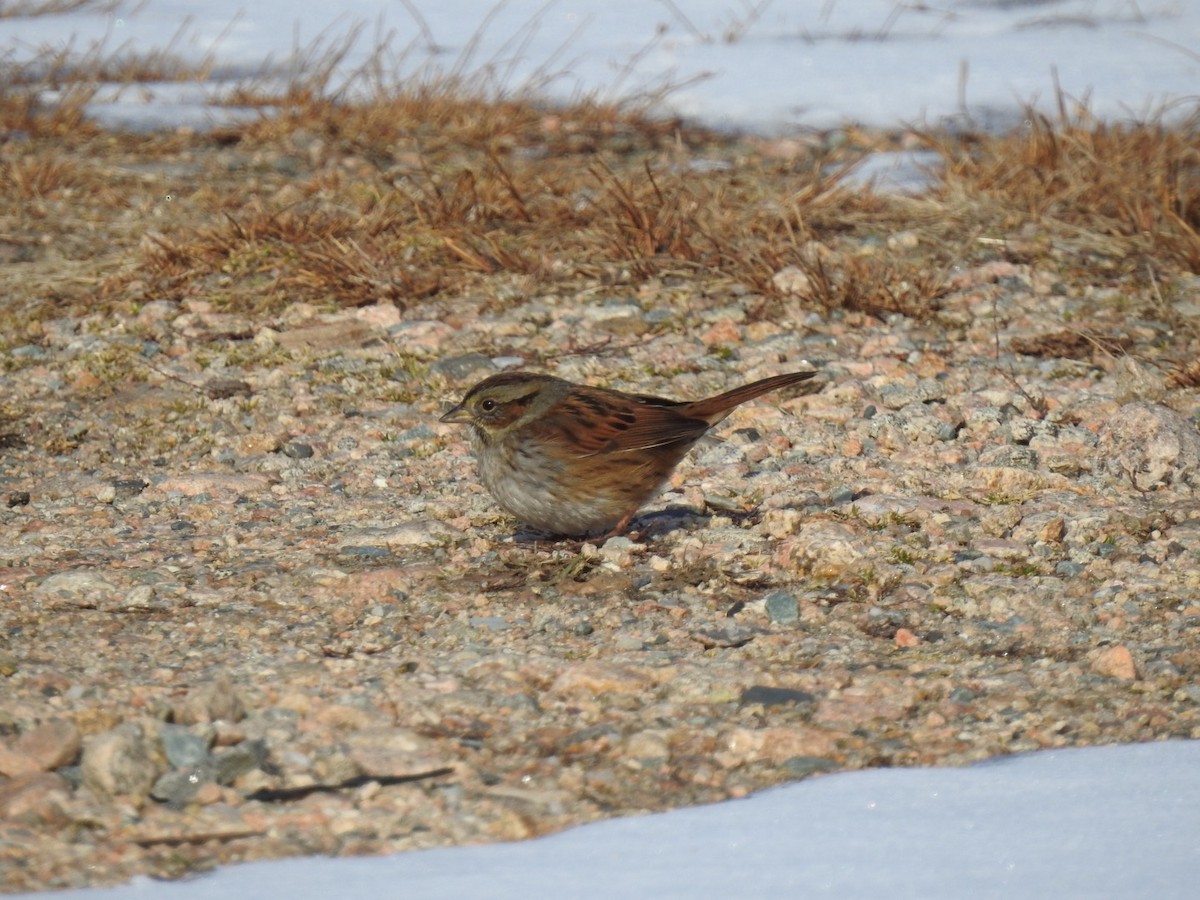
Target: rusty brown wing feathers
609, 423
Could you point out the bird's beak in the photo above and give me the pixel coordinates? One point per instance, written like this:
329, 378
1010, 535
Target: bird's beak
458, 415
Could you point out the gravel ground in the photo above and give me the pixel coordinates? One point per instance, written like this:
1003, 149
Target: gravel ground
255, 602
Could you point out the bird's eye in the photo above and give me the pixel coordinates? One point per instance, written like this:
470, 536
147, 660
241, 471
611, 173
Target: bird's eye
487, 405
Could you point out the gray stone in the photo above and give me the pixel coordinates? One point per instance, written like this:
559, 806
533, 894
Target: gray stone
125, 760
461, 368
775, 696
782, 608
140, 597
803, 766
618, 318
897, 396
842, 495
81, 588
183, 746
127, 487
237, 761
297, 450
179, 786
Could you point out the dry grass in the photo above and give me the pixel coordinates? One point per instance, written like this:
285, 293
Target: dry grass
434, 187
429, 190
1130, 193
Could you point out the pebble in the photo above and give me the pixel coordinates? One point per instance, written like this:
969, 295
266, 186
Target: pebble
418, 533
82, 588
384, 750
1115, 662
775, 696
799, 767
140, 597
179, 786
184, 746
126, 760
364, 552
895, 395
338, 333
297, 450
469, 367
616, 318
823, 549
650, 747
257, 443
598, 677
1151, 446
51, 744
782, 607
856, 706
212, 485
724, 636
217, 700
842, 495
627, 643
792, 280
35, 798
29, 351
232, 763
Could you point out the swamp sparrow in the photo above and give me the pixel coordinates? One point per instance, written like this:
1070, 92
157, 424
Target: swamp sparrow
573, 460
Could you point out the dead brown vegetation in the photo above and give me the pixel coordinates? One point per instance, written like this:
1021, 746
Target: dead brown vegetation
432, 187
1130, 193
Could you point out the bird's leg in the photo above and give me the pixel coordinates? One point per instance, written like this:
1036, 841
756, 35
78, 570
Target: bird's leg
619, 529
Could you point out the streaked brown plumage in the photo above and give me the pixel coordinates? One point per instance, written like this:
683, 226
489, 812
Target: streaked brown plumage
571, 459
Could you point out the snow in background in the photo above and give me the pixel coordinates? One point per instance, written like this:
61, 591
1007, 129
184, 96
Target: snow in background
1102, 822
764, 65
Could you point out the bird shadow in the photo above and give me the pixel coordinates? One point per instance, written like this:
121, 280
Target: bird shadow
647, 526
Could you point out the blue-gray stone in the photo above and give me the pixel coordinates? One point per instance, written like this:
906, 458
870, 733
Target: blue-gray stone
178, 786
775, 696
782, 608
184, 748
457, 368
803, 766
297, 450
231, 764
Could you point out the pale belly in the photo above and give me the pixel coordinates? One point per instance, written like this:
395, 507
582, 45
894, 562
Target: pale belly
548, 496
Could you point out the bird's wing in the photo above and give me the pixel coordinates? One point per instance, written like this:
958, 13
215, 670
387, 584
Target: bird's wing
596, 422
